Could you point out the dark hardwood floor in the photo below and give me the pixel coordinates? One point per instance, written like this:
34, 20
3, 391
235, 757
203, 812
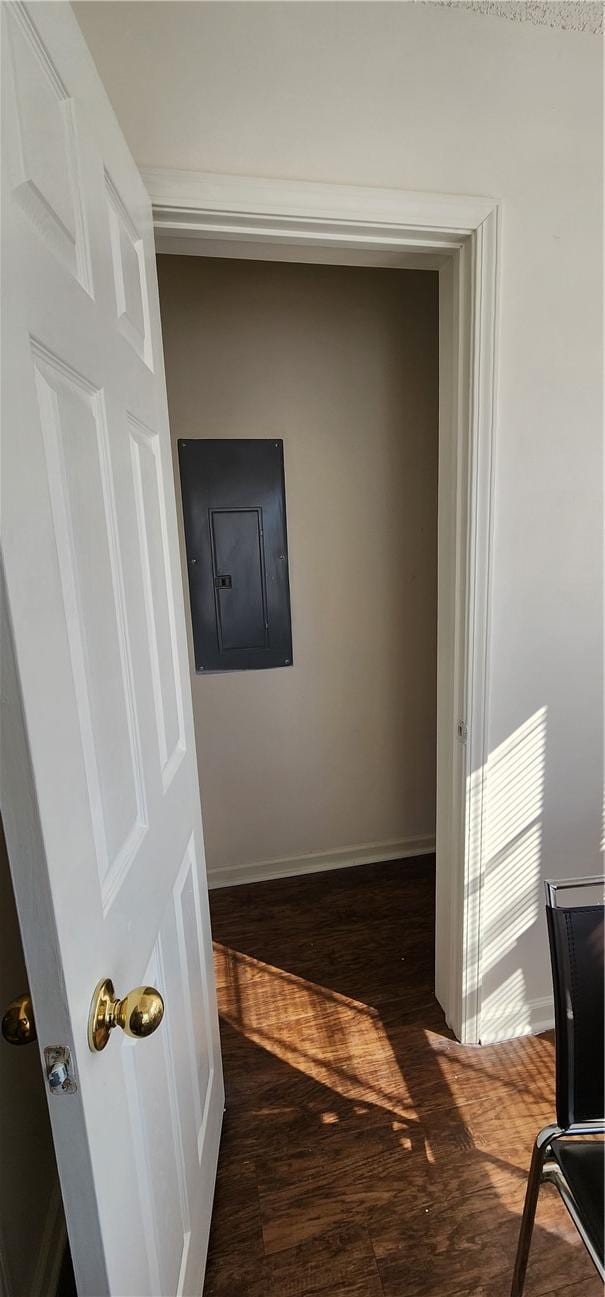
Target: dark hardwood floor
365, 1153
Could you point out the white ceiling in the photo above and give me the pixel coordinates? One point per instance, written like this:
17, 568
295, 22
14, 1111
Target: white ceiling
570, 15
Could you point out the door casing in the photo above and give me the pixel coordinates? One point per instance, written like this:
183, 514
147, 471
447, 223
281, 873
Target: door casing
459, 236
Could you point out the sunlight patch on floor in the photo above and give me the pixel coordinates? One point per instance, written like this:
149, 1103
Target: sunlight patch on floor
343, 1045
337, 1041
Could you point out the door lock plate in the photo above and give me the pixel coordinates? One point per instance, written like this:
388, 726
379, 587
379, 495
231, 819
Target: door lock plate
60, 1072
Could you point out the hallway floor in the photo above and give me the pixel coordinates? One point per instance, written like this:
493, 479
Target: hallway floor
365, 1153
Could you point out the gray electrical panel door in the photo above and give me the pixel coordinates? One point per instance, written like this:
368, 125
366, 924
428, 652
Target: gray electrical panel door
234, 510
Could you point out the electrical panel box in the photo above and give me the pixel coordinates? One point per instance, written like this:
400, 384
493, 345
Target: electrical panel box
234, 510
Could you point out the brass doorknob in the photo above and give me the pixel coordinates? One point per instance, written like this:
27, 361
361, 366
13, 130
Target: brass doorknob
18, 1026
138, 1014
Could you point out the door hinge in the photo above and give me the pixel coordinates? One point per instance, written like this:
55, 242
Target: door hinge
462, 731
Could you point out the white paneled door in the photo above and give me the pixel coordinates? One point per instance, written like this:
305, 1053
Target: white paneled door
100, 795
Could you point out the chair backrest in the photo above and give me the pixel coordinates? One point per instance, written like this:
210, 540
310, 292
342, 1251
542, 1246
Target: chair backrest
577, 951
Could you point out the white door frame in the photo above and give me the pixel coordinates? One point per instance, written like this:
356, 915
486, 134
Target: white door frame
458, 236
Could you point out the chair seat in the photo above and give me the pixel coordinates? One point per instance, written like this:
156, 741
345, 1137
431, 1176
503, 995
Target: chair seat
582, 1162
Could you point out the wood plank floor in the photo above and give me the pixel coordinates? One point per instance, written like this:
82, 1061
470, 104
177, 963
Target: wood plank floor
365, 1153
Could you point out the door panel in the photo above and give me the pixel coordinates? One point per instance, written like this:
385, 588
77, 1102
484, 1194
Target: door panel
131, 303
159, 609
97, 628
73, 423
42, 149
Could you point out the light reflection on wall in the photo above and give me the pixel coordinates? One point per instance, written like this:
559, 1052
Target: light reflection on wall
511, 897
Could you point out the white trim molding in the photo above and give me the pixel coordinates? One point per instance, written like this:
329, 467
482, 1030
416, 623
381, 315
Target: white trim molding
479, 514
315, 862
196, 204
459, 236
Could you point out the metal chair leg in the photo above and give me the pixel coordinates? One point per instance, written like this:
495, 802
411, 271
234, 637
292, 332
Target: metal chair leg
534, 1181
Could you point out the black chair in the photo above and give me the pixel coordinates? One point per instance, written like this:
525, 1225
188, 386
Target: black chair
575, 1165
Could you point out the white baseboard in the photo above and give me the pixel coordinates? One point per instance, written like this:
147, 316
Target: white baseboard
315, 862
52, 1246
518, 1020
